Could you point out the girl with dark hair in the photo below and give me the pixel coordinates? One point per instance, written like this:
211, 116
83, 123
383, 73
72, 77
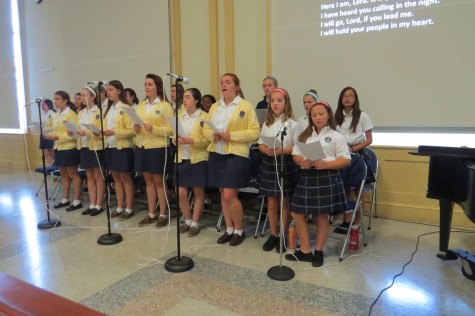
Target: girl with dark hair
131, 97
355, 125
229, 166
207, 101
91, 150
176, 96
119, 153
319, 188
66, 153
47, 120
192, 160
279, 113
152, 151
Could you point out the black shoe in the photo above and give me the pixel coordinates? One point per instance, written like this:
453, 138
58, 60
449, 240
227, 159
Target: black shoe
96, 211
299, 256
343, 228
224, 239
73, 207
86, 211
237, 239
317, 260
61, 204
271, 243
277, 247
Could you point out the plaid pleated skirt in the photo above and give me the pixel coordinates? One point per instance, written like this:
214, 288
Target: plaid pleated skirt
267, 178
319, 192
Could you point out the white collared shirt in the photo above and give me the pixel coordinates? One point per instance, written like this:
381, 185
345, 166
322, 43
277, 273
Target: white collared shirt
149, 106
356, 137
60, 116
274, 129
333, 144
221, 119
111, 118
187, 122
85, 117
302, 124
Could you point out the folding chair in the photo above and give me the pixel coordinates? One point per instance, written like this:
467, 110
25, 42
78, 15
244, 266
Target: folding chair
354, 176
49, 171
372, 186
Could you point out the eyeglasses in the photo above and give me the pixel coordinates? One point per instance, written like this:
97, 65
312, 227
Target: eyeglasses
349, 96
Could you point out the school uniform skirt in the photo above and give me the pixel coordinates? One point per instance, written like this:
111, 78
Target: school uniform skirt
267, 178
192, 175
120, 160
151, 160
46, 144
319, 192
66, 158
228, 171
88, 158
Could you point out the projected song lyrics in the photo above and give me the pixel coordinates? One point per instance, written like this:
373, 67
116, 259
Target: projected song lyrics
364, 16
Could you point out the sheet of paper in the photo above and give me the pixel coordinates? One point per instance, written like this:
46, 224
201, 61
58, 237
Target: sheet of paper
92, 128
130, 112
72, 128
36, 128
271, 141
261, 116
172, 121
212, 126
313, 151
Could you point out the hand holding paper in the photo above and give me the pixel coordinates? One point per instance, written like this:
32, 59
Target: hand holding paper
212, 126
130, 112
92, 128
71, 128
172, 121
271, 141
313, 151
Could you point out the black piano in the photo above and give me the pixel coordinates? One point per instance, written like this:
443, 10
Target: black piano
452, 180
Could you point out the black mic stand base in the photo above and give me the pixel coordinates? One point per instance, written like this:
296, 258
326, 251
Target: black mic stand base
109, 239
179, 264
48, 224
280, 273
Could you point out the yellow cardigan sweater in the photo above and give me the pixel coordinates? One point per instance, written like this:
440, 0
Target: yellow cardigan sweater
124, 129
95, 142
161, 128
243, 125
65, 142
198, 151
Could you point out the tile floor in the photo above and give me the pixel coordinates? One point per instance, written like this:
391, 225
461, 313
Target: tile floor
68, 261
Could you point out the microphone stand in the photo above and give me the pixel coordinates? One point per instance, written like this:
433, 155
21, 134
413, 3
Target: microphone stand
178, 263
109, 238
281, 272
48, 223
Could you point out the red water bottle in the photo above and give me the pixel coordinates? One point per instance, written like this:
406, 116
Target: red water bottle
354, 236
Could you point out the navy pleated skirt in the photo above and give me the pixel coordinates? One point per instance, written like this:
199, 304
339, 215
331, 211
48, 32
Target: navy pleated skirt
228, 171
120, 160
66, 158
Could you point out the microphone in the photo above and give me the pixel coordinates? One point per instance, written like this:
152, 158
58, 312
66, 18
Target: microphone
180, 78
283, 128
103, 82
35, 101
